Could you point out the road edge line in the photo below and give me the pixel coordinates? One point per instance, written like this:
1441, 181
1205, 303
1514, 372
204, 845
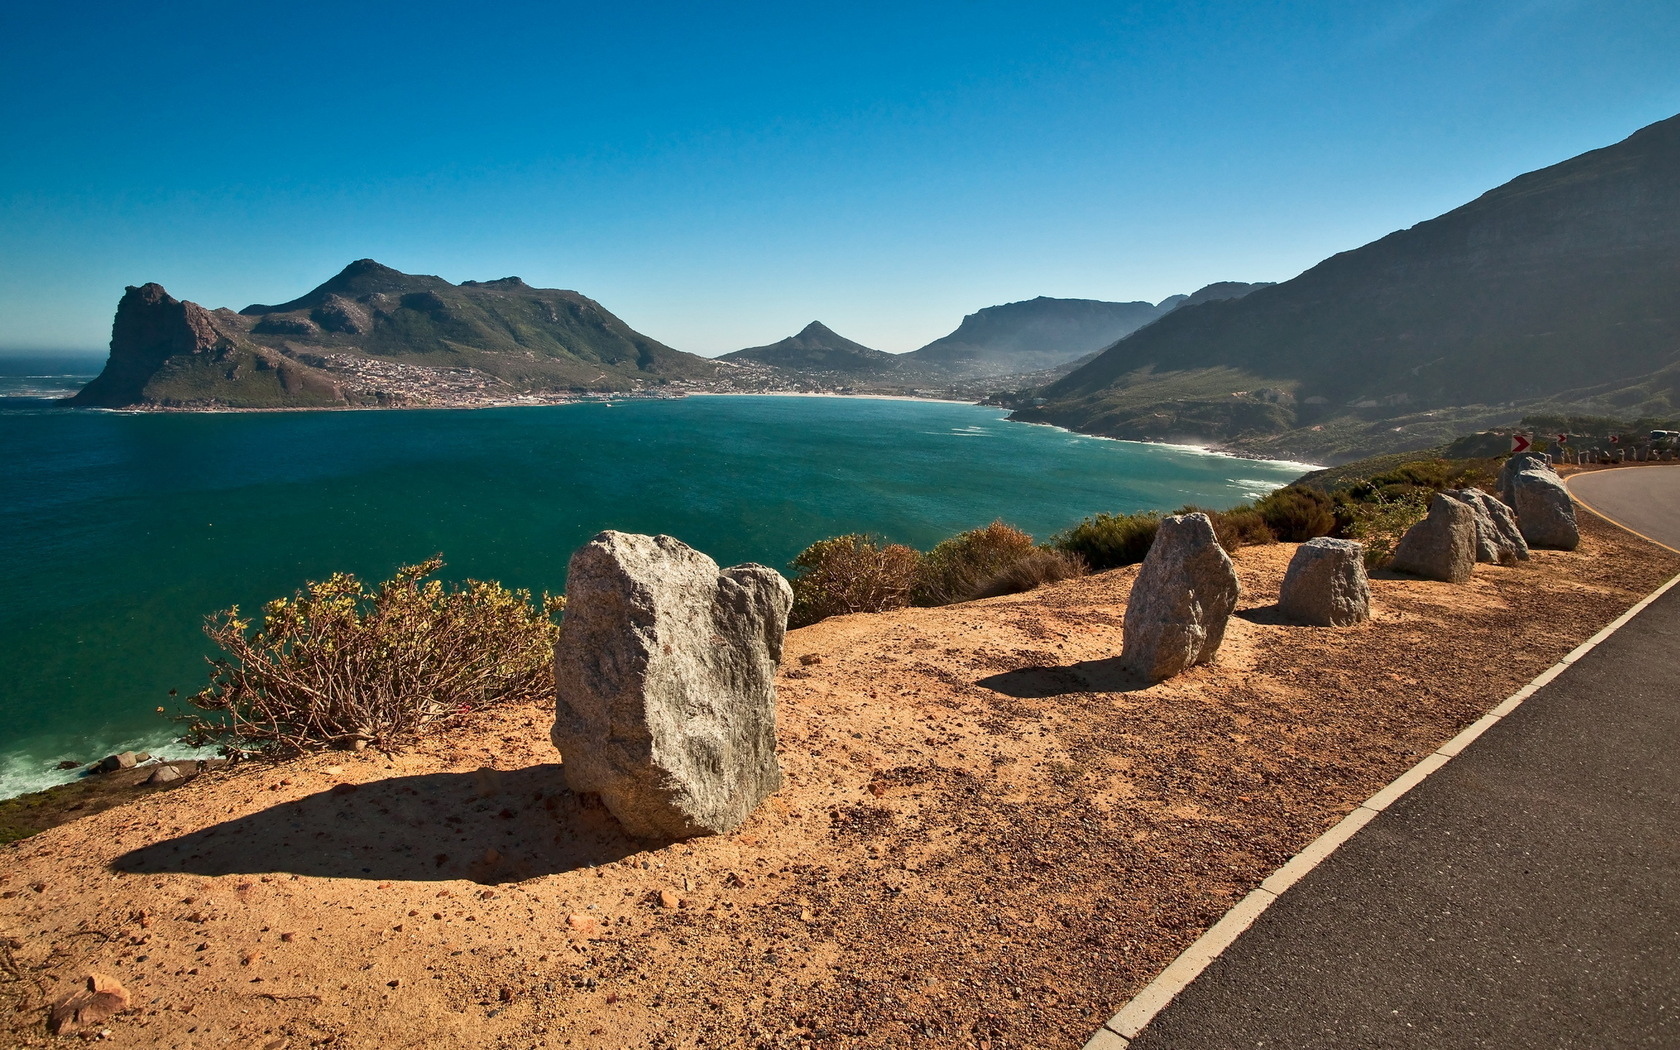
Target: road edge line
1118, 1031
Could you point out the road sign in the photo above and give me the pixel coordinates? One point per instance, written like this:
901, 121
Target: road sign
1563, 439
1615, 439
1520, 443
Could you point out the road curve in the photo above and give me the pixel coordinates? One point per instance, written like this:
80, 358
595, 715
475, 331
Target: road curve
1645, 500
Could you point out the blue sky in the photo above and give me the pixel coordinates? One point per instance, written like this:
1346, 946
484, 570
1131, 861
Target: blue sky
719, 176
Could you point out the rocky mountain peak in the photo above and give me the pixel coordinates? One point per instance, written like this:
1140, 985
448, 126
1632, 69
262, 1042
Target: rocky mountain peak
151, 325
359, 280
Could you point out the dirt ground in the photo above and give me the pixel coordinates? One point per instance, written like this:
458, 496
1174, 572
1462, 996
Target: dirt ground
990, 837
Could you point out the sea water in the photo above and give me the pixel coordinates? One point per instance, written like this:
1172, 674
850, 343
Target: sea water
120, 532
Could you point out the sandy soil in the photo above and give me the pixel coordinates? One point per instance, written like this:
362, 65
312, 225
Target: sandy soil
989, 838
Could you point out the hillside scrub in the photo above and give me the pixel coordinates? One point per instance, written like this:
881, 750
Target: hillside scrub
1240, 526
1379, 521
1296, 514
338, 664
858, 573
1420, 478
851, 574
1108, 541
952, 571
1038, 567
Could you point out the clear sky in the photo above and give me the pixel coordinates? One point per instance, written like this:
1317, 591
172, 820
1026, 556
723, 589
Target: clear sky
719, 175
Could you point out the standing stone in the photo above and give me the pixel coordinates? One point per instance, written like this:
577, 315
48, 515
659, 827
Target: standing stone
1515, 465
1498, 539
1442, 546
665, 676
1184, 594
1326, 584
1545, 513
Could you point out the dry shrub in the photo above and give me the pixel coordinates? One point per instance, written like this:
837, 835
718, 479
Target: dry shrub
337, 664
1296, 514
1241, 526
1108, 541
953, 570
1043, 565
851, 574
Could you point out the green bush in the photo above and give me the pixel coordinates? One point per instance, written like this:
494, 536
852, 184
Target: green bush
953, 570
1380, 521
1424, 476
1296, 514
337, 664
1108, 541
1041, 566
851, 574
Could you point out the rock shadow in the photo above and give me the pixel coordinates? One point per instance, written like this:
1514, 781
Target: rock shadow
489, 826
1268, 615
1087, 676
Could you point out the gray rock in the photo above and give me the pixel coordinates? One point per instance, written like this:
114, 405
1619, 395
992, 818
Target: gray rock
1545, 513
1498, 540
1183, 596
112, 763
665, 676
164, 774
1515, 465
1442, 546
1326, 584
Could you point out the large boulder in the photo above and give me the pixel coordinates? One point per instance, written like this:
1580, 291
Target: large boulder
665, 677
1183, 596
1442, 546
1326, 584
1515, 465
1545, 513
1498, 539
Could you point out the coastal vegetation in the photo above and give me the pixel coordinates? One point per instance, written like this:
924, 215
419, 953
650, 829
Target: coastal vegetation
340, 664
858, 573
1373, 501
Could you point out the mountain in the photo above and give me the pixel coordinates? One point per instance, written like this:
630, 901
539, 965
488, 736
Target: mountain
1030, 336
376, 336
1043, 333
1208, 293
1562, 279
817, 348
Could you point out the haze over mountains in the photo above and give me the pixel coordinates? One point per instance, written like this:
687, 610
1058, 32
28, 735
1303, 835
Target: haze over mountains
1559, 288
1008, 340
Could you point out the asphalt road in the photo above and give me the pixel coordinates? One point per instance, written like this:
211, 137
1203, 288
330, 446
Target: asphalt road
1644, 499
1527, 895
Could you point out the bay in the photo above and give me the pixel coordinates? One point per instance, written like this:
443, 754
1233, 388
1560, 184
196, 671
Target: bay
122, 531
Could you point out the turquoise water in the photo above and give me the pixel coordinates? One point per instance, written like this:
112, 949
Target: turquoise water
121, 532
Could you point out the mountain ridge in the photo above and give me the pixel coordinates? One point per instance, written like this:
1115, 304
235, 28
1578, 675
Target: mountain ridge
374, 336
1558, 280
818, 348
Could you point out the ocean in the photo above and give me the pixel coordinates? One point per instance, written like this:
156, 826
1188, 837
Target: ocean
121, 532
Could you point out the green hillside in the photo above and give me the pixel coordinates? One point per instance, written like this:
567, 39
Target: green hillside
373, 336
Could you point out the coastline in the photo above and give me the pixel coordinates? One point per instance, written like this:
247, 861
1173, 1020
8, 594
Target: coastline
1206, 450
